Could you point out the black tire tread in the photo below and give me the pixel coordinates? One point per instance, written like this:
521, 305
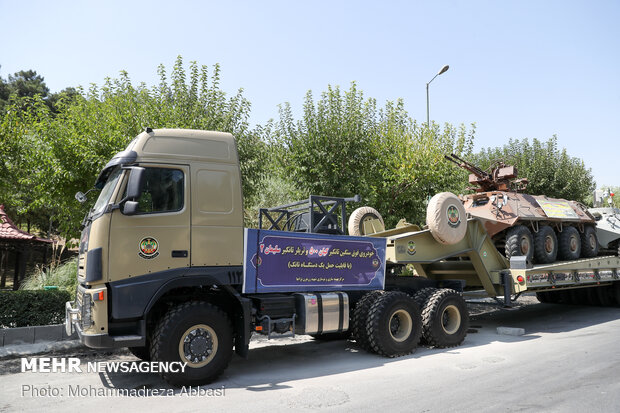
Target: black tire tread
540, 254
429, 318
374, 323
358, 321
163, 328
564, 252
513, 247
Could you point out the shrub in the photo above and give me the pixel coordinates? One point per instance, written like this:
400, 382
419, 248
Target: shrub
32, 308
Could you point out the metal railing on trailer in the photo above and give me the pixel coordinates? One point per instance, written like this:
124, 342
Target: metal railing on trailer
317, 214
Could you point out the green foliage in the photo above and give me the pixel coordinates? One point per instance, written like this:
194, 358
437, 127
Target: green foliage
47, 157
32, 308
550, 170
64, 276
345, 145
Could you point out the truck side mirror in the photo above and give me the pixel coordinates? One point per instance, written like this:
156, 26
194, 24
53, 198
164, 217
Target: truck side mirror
135, 183
130, 208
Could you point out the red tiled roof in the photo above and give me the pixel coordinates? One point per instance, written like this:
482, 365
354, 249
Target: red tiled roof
8, 230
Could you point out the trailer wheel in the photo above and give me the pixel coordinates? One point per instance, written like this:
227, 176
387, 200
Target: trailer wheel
519, 242
394, 324
592, 297
196, 333
545, 245
615, 288
362, 215
143, 353
360, 315
569, 243
446, 218
605, 295
589, 242
543, 296
445, 319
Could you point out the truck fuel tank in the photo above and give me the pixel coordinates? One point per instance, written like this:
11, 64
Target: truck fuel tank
319, 313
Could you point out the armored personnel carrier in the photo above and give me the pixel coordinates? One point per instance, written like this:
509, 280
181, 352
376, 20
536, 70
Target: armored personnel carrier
543, 229
607, 223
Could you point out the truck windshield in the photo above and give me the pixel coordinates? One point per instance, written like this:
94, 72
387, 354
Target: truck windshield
106, 192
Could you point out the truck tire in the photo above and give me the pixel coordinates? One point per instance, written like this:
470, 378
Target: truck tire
421, 297
445, 319
361, 215
519, 242
545, 245
446, 218
394, 324
143, 353
569, 244
589, 242
196, 333
360, 315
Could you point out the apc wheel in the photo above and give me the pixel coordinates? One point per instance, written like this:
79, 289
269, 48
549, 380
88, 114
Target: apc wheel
362, 215
446, 218
196, 333
394, 324
358, 321
545, 245
589, 243
519, 242
569, 243
445, 319
143, 353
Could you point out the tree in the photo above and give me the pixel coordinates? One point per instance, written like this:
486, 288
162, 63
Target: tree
550, 170
345, 145
48, 157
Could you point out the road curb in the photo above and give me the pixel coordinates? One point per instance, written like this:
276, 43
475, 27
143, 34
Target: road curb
21, 350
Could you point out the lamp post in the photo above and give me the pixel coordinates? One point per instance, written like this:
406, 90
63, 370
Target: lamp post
443, 70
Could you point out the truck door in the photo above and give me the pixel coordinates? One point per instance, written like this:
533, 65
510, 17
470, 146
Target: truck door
157, 238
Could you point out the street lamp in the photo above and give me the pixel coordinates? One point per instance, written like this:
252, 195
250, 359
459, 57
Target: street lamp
443, 70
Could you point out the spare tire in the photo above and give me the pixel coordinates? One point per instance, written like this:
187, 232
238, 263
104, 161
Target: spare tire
446, 218
362, 215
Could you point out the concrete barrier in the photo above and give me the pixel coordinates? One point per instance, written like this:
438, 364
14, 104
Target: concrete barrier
34, 334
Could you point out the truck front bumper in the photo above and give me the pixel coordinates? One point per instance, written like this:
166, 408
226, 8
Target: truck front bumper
97, 340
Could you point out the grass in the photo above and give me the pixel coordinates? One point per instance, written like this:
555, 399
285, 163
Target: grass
63, 275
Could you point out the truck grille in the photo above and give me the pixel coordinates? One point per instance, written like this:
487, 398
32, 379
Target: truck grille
84, 305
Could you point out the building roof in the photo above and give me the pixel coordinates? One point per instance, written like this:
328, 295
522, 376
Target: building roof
8, 230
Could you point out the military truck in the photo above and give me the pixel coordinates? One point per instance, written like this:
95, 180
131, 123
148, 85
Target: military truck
167, 269
536, 226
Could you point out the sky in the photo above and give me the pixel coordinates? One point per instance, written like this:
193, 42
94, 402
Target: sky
518, 69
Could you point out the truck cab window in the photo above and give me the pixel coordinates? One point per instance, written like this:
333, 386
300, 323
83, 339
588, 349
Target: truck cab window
163, 191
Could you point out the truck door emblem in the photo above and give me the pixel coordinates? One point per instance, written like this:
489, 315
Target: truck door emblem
149, 248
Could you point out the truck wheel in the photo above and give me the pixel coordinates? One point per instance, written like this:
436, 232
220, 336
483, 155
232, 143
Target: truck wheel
589, 242
143, 353
445, 319
360, 315
196, 333
569, 244
421, 297
446, 218
362, 215
519, 242
394, 324
545, 245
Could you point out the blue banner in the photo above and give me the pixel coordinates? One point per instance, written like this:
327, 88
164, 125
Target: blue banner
277, 261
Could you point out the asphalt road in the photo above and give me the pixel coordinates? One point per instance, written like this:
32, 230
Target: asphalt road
568, 361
